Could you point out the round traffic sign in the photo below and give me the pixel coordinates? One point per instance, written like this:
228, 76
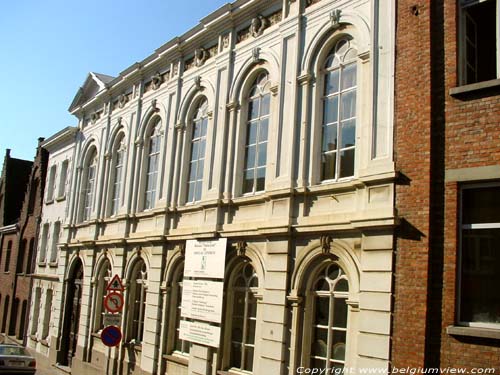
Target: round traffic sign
113, 302
111, 336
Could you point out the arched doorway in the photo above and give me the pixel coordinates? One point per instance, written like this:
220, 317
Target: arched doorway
71, 322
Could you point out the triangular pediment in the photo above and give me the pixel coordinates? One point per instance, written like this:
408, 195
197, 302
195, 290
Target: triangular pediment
94, 83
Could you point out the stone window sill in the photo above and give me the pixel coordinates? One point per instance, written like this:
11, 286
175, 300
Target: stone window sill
473, 332
476, 88
49, 201
61, 198
53, 264
177, 359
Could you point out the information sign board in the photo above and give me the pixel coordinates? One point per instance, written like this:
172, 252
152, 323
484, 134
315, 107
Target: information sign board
200, 333
202, 300
205, 258
112, 320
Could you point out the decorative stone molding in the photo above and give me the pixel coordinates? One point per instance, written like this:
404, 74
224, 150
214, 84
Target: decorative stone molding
200, 56
210, 114
241, 247
94, 117
256, 54
274, 89
119, 120
138, 142
225, 41
325, 241
197, 82
179, 126
304, 79
233, 106
156, 81
257, 26
335, 17
154, 103
122, 100
107, 156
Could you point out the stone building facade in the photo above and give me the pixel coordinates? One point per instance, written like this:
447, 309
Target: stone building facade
270, 125
447, 272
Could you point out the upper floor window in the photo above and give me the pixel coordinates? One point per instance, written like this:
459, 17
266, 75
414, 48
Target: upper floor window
137, 301
88, 185
55, 240
479, 40
51, 183
153, 159
44, 242
117, 160
197, 159
339, 112
62, 179
480, 256
259, 99
7, 256
328, 328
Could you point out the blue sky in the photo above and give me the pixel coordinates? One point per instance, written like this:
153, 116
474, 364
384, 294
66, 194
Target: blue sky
48, 47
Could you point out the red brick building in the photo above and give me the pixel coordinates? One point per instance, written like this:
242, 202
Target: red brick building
15, 176
447, 152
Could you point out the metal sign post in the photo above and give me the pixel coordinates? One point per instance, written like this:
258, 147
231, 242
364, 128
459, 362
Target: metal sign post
111, 335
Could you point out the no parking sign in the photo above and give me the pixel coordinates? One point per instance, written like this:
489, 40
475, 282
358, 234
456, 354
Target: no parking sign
111, 336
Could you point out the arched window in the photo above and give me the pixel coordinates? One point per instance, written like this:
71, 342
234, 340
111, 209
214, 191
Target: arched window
259, 99
103, 278
339, 112
137, 301
179, 346
152, 161
118, 156
328, 308
242, 313
88, 184
197, 159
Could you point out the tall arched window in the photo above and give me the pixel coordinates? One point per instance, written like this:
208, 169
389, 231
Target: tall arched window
179, 346
197, 159
88, 184
339, 112
259, 99
137, 301
242, 313
153, 159
103, 278
117, 159
328, 308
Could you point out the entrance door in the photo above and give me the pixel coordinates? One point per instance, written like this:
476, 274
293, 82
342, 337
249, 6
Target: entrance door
72, 315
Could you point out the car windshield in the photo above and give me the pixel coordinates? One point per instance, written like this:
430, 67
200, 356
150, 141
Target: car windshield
12, 350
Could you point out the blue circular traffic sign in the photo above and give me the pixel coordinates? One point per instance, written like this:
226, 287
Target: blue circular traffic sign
111, 336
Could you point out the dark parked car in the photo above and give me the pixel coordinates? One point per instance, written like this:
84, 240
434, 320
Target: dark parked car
15, 359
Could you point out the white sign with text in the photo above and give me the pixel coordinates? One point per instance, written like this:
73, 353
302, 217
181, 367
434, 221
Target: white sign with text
205, 258
202, 300
200, 333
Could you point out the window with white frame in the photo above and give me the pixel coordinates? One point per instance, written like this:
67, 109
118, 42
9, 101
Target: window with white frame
242, 303
88, 185
55, 240
47, 314
197, 159
103, 278
36, 310
480, 256
62, 179
44, 243
117, 160
479, 40
137, 301
339, 112
51, 183
180, 346
259, 99
153, 159
327, 330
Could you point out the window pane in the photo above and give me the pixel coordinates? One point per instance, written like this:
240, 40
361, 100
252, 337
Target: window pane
198, 190
204, 126
237, 329
193, 170
236, 355
480, 276
201, 150
342, 286
248, 181
328, 166
239, 304
197, 129
262, 156
322, 311
330, 111
481, 205
349, 76
250, 157
253, 109
252, 132
264, 124
191, 187
332, 82
264, 110
338, 352
194, 150
320, 342
347, 163
248, 359
329, 138
339, 313
250, 339
348, 105
261, 179
318, 363
348, 131
201, 164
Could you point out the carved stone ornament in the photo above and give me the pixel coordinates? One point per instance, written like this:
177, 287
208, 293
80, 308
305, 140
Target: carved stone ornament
182, 248
256, 54
225, 40
156, 81
200, 56
154, 105
122, 100
325, 241
197, 82
241, 247
257, 26
335, 17
93, 118
119, 120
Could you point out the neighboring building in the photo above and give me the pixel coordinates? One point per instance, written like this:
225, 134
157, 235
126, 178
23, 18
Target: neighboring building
269, 124
447, 273
49, 263
13, 182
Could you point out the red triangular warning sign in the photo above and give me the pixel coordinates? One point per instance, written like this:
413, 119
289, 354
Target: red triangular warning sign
115, 284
